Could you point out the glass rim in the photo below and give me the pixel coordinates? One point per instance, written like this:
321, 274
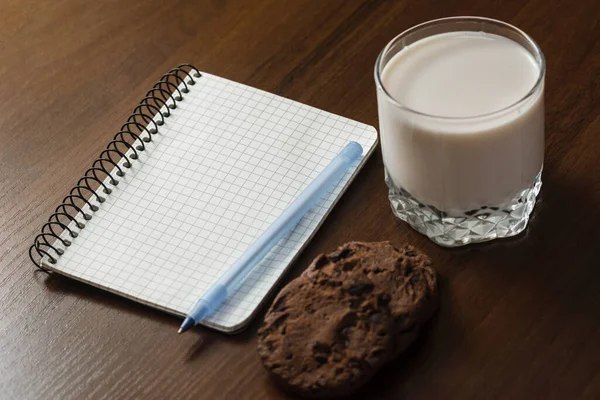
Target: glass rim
439, 21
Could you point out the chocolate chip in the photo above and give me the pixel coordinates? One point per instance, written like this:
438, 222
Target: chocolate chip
384, 298
344, 331
411, 253
321, 359
320, 262
359, 288
323, 348
348, 265
338, 255
324, 282
348, 319
270, 345
376, 318
415, 278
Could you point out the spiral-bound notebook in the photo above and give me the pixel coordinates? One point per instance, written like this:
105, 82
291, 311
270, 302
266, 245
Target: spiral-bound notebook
182, 192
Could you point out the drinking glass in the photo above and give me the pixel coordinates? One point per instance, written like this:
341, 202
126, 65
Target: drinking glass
463, 180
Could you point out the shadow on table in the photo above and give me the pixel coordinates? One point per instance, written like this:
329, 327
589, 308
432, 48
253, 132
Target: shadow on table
501, 288
65, 286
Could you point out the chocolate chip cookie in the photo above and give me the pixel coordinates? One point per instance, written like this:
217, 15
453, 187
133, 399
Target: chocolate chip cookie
350, 312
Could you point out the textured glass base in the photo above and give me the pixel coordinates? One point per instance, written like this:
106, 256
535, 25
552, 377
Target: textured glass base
475, 226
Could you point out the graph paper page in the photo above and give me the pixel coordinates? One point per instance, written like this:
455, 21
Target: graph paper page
221, 169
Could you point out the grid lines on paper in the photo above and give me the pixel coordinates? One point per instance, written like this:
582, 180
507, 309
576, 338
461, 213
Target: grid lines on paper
223, 167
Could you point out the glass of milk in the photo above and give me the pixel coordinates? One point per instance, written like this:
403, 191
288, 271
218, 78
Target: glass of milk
461, 114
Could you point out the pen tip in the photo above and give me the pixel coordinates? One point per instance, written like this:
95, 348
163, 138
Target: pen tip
187, 324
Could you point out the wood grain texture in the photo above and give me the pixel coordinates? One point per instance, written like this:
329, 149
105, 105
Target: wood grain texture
519, 318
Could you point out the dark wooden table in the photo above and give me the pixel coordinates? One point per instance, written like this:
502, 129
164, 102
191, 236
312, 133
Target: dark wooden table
518, 319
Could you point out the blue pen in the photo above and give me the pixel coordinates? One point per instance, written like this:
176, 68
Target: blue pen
231, 280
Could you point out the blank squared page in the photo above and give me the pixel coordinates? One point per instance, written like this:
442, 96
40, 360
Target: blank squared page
221, 169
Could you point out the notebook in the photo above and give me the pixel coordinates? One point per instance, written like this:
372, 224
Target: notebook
205, 179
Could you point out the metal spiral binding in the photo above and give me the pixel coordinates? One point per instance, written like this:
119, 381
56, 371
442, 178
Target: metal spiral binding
140, 126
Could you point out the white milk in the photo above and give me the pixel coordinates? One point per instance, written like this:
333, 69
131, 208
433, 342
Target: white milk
473, 160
